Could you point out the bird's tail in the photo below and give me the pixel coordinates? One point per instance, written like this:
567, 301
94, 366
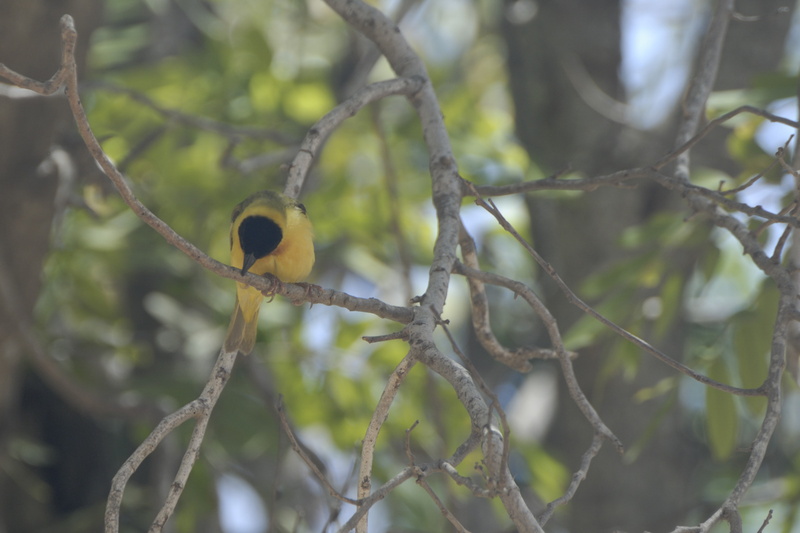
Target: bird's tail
241, 334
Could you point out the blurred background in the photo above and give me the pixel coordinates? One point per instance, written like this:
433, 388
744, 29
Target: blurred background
104, 327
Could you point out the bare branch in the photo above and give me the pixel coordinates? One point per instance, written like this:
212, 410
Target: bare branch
555, 183
520, 289
476, 490
379, 416
704, 78
766, 522
446, 185
621, 178
480, 416
366, 504
300, 450
575, 300
421, 481
200, 409
577, 478
687, 144
421, 321
698, 193
442, 508
489, 393
698, 93
397, 335
316, 136
314, 294
446, 199
69, 38
479, 305
734, 519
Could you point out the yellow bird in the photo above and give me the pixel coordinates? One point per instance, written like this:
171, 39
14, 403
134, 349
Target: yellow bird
270, 233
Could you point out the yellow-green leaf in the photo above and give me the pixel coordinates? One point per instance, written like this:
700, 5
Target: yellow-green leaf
722, 421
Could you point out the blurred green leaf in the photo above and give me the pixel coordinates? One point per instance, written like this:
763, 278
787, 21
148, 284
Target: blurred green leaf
671, 300
549, 476
624, 358
668, 387
584, 332
664, 386
722, 421
752, 339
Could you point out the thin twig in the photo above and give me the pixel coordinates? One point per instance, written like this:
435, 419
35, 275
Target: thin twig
765, 523
319, 132
457, 525
426, 487
69, 39
409, 453
376, 496
479, 307
200, 408
698, 92
578, 302
446, 187
494, 401
300, 450
577, 479
464, 481
411, 471
695, 194
480, 416
787, 231
777, 159
693, 138
67, 75
397, 335
621, 178
379, 416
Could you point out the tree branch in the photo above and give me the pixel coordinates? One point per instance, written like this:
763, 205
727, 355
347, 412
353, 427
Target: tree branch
379, 416
200, 408
586, 308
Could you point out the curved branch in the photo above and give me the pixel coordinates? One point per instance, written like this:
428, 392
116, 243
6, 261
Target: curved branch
479, 306
447, 189
586, 308
200, 408
69, 38
319, 132
379, 416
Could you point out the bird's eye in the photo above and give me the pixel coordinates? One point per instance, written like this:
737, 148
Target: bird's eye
302, 208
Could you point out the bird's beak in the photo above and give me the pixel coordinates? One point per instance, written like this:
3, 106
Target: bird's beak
249, 260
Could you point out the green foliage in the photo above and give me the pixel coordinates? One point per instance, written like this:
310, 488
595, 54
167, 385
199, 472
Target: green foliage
722, 420
650, 273
549, 477
117, 300
751, 344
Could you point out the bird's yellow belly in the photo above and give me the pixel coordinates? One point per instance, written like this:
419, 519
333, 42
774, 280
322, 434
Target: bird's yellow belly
249, 301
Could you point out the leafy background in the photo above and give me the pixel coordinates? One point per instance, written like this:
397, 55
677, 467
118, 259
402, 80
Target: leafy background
126, 314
